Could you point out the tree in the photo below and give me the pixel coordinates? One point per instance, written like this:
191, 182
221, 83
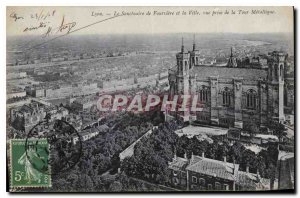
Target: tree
253, 127
278, 129
115, 162
236, 152
249, 159
211, 151
19, 123
116, 186
85, 183
72, 179
273, 153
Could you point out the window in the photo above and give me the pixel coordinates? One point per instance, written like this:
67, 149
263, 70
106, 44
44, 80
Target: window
251, 99
270, 66
203, 117
226, 187
202, 181
194, 187
194, 179
281, 72
185, 66
180, 68
226, 95
276, 71
174, 173
203, 94
218, 186
175, 181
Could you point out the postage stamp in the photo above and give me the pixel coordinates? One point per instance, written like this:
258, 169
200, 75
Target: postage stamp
64, 146
27, 163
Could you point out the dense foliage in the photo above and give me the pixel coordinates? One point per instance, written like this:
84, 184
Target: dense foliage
101, 154
151, 156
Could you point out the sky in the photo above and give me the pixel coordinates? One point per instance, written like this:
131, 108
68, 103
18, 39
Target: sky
56, 21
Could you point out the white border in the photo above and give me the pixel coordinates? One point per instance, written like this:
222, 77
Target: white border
5, 3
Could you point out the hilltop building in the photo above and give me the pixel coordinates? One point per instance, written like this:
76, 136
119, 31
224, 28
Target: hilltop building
230, 96
201, 173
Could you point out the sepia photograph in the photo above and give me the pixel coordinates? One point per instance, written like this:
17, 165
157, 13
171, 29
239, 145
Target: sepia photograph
174, 99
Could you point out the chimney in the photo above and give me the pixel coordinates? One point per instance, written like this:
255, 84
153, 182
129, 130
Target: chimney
234, 166
225, 159
175, 155
192, 158
247, 169
257, 175
185, 155
203, 155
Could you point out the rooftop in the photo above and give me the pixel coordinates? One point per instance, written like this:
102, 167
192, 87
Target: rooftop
215, 168
220, 169
191, 131
252, 181
178, 164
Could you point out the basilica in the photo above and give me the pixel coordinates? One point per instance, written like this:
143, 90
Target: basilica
232, 95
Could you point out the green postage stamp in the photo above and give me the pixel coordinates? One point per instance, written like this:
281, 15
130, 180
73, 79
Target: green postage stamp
29, 163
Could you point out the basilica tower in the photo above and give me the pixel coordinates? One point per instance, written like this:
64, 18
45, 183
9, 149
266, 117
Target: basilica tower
183, 68
276, 65
194, 56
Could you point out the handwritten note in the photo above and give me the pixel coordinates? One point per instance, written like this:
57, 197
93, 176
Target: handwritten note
42, 21
49, 22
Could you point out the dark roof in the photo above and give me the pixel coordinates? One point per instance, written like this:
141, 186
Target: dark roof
214, 168
221, 169
178, 163
229, 72
248, 180
251, 181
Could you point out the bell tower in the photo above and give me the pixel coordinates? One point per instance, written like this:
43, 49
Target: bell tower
183, 77
194, 55
232, 60
183, 62
276, 65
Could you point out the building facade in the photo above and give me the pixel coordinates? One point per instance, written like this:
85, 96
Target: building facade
201, 173
230, 96
286, 171
25, 117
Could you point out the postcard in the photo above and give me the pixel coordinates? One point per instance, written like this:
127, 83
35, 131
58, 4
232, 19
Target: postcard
150, 99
